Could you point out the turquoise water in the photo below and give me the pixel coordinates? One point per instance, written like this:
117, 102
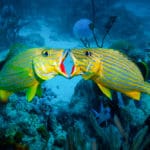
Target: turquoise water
73, 113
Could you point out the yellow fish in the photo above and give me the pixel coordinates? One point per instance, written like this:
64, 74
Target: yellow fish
109, 69
28, 69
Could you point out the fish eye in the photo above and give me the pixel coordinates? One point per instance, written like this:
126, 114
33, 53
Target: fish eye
45, 53
87, 53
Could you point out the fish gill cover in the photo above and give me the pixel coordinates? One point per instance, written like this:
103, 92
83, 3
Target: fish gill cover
70, 114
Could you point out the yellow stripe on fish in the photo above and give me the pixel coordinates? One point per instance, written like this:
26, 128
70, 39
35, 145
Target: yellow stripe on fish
109, 69
28, 69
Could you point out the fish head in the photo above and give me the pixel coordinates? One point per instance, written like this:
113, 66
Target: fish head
49, 63
86, 62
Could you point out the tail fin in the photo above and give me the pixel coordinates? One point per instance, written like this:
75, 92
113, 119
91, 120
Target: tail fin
146, 88
4, 95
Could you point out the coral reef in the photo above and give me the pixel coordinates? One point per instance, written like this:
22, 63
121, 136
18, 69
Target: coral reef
29, 123
111, 140
87, 121
77, 139
104, 114
128, 132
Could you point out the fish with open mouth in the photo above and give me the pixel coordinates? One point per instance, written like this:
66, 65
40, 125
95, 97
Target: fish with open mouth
28, 69
109, 69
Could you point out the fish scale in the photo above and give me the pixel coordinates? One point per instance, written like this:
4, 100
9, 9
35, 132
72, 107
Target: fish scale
118, 61
111, 60
121, 71
109, 69
28, 69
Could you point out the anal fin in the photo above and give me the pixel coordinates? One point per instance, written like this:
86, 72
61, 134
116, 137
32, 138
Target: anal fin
133, 94
4, 95
87, 76
105, 90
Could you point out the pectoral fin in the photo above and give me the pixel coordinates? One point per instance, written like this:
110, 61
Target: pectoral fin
4, 95
31, 92
87, 75
133, 94
105, 90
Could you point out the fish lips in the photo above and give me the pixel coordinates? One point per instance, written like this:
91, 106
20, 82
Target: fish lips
75, 68
76, 71
62, 69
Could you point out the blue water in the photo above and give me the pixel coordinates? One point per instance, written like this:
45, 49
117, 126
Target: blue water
73, 114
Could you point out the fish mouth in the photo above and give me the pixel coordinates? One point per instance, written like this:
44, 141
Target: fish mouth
62, 69
75, 68
76, 71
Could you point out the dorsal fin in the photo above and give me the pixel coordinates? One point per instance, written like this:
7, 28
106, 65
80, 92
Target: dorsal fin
3, 56
15, 49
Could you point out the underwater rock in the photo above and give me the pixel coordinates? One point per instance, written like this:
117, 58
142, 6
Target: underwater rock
84, 97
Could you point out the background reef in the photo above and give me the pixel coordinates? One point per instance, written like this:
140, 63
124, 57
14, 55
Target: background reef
73, 114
